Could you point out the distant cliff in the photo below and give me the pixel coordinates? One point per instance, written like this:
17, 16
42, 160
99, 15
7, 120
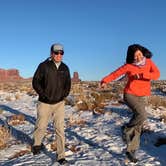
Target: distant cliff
10, 75
13, 75
75, 77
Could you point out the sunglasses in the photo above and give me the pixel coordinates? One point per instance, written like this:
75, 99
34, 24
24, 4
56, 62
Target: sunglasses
58, 52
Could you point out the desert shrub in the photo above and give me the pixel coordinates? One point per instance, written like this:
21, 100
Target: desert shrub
31, 92
1, 111
107, 95
163, 117
88, 95
4, 136
73, 148
20, 153
75, 121
17, 96
76, 88
69, 101
8, 98
98, 111
53, 146
82, 105
157, 101
16, 119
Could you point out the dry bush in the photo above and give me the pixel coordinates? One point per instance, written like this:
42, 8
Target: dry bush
117, 87
157, 101
1, 111
69, 101
81, 105
6, 87
8, 98
93, 85
159, 86
54, 146
23, 88
76, 122
1, 86
16, 120
73, 148
16, 86
20, 153
90, 101
107, 96
31, 92
97, 97
17, 96
88, 95
91, 105
76, 88
163, 117
98, 111
4, 137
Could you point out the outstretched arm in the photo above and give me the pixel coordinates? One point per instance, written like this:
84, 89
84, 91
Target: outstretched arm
114, 75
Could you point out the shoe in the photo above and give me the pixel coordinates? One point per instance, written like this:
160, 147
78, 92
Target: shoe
62, 161
131, 156
36, 149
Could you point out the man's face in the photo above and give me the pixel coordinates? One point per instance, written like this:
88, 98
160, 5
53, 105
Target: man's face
57, 56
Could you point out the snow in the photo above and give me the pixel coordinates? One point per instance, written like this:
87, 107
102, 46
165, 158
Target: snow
96, 142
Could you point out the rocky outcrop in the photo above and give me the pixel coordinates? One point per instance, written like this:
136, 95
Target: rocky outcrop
9, 75
75, 77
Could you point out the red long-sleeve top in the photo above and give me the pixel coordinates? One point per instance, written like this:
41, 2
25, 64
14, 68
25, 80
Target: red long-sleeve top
138, 87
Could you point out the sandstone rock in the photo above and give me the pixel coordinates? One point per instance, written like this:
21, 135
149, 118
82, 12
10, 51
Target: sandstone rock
9, 75
75, 77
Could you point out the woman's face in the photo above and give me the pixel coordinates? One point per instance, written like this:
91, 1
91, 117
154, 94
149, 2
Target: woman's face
138, 56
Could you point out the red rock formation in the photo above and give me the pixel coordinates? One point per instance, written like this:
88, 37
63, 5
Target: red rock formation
75, 77
9, 75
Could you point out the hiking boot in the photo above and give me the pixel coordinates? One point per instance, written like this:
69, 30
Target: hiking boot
131, 156
36, 149
62, 161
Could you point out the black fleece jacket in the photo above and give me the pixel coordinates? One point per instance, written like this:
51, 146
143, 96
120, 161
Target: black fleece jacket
51, 84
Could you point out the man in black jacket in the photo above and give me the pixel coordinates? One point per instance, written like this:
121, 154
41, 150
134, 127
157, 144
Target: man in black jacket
52, 82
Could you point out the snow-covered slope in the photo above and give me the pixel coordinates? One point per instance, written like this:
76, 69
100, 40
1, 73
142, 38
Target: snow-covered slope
91, 140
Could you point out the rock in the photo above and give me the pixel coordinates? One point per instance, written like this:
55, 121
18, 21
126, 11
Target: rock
9, 75
75, 77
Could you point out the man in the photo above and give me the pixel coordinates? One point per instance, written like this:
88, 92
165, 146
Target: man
52, 82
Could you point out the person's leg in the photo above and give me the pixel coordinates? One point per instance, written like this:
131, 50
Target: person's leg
132, 138
43, 115
132, 130
58, 117
137, 105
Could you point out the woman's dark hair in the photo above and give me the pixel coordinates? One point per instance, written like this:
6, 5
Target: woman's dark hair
133, 48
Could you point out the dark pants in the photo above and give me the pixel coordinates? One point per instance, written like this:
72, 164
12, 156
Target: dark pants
132, 130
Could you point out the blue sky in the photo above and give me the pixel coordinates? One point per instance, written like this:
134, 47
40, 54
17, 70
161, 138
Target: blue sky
95, 33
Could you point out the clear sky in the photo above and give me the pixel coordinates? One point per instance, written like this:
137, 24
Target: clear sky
95, 33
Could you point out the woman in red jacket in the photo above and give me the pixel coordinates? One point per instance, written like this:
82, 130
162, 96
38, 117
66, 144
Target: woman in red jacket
140, 70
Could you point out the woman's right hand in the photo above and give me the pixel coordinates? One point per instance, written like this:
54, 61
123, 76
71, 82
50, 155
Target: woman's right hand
103, 85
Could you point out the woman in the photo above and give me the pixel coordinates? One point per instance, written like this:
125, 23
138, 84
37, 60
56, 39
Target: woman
140, 70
